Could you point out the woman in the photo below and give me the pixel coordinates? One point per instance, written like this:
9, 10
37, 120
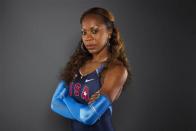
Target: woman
95, 75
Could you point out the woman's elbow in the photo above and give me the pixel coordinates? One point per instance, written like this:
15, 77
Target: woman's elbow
52, 104
88, 118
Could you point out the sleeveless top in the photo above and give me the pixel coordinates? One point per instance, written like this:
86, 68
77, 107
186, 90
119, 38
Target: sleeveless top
81, 88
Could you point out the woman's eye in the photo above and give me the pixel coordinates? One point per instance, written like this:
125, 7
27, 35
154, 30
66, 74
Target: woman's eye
94, 31
83, 32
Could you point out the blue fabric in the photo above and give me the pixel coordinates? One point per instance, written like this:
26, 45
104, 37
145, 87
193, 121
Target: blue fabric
87, 114
82, 87
79, 85
71, 102
57, 104
103, 124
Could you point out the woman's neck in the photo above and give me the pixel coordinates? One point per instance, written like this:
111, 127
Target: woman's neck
100, 56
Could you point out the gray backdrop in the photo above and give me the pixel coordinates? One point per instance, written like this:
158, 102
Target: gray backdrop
38, 37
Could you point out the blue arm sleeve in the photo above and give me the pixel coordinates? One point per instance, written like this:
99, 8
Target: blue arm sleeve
88, 114
57, 104
67, 107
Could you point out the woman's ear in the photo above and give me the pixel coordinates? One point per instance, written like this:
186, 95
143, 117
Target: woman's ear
109, 33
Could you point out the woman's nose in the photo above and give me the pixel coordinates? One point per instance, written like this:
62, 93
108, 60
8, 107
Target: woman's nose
88, 37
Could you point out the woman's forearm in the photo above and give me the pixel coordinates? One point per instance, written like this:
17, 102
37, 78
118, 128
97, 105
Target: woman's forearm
57, 104
67, 107
87, 114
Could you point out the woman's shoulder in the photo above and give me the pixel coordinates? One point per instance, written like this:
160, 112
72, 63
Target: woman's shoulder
117, 64
117, 67
114, 69
114, 79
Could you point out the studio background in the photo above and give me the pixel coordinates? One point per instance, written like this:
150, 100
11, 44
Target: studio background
37, 38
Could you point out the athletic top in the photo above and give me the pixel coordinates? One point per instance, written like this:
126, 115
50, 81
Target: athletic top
81, 89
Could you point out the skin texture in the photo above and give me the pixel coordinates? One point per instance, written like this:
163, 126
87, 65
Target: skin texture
94, 32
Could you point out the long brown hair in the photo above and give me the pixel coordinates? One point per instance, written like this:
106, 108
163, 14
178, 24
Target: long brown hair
116, 48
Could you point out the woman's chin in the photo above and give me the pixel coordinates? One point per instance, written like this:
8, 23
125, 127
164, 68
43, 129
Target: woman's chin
92, 51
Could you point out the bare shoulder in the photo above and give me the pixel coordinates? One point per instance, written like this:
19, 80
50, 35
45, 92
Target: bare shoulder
114, 79
117, 69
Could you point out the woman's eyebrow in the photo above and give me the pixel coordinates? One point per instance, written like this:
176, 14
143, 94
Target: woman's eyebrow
90, 27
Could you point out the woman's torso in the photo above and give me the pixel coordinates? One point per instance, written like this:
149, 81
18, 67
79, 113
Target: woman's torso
81, 89
83, 86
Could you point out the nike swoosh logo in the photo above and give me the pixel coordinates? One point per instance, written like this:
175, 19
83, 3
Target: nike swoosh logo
87, 80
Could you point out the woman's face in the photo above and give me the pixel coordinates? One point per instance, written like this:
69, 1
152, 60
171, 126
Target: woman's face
94, 33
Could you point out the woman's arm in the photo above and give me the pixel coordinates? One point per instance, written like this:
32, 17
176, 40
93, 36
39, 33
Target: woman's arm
57, 104
87, 114
67, 107
113, 82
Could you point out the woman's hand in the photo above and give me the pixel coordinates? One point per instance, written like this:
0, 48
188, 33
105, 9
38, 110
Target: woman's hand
94, 97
